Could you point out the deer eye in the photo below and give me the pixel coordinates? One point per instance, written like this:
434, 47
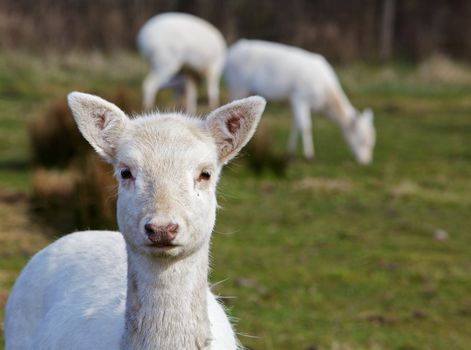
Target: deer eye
126, 174
204, 176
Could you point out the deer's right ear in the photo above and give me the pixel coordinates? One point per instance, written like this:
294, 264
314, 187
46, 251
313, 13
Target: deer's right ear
99, 121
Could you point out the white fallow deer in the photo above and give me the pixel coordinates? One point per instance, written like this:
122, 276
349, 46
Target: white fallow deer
308, 82
145, 288
176, 43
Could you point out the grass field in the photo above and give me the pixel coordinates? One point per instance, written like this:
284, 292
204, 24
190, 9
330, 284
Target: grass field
332, 255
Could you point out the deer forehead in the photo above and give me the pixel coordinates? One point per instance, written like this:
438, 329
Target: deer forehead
167, 142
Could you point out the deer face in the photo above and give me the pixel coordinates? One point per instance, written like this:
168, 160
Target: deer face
167, 201
361, 137
167, 167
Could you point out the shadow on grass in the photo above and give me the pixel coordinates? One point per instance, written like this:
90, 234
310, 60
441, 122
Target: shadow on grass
15, 165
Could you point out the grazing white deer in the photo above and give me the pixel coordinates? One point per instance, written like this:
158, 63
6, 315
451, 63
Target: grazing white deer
146, 287
173, 42
307, 81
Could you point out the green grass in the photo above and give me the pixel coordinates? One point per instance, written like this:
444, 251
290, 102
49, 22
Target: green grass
334, 255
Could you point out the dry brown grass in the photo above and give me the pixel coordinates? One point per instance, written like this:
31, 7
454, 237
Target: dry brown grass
322, 184
53, 197
96, 194
441, 69
79, 197
54, 183
55, 139
18, 234
405, 188
261, 156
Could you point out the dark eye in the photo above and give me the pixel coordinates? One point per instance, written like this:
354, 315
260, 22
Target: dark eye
204, 176
126, 174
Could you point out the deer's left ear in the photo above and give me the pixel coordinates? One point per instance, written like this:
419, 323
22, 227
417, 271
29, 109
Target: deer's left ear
234, 124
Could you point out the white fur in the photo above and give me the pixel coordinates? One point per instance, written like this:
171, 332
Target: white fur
173, 41
307, 81
111, 290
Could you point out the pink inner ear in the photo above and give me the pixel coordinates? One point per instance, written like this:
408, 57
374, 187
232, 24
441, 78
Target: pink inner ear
233, 124
100, 121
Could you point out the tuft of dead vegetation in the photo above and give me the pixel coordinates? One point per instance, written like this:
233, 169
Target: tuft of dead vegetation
404, 189
441, 69
261, 157
52, 197
96, 194
54, 138
322, 184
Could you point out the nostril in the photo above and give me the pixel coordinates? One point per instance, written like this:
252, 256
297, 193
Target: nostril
172, 227
161, 234
150, 229
172, 230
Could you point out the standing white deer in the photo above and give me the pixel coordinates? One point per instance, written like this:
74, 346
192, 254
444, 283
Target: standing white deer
178, 42
146, 287
307, 81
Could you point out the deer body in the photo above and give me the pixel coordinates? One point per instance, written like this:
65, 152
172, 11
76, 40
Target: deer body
308, 82
100, 260
146, 287
175, 41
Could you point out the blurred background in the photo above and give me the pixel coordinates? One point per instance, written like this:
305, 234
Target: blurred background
314, 255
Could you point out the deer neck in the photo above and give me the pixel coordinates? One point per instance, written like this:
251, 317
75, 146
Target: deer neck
340, 110
166, 305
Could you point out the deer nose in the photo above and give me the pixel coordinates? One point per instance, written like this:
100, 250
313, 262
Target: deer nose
161, 234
